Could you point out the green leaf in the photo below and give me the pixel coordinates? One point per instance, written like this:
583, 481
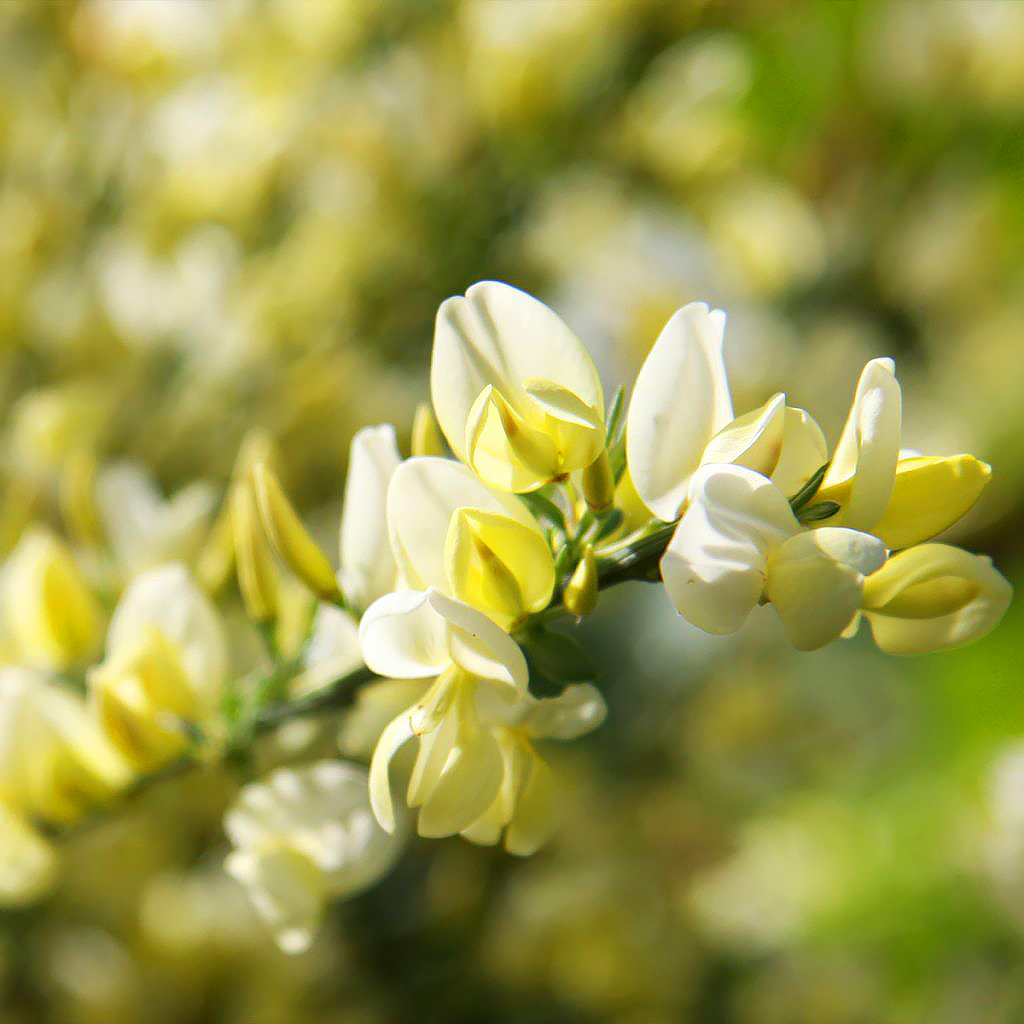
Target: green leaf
816, 513
809, 489
559, 657
614, 430
544, 508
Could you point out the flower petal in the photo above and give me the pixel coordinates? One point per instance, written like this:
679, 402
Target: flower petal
168, 601
402, 635
577, 710
929, 495
680, 401
501, 336
863, 467
714, 566
934, 597
753, 440
804, 452
478, 646
367, 564
815, 582
423, 495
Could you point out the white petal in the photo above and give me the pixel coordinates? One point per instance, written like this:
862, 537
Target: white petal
167, 600
286, 889
424, 493
868, 448
402, 635
815, 582
714, 567
579, 709
753, 440
499, 335
466, 788
333, 650
478, 646
367, 564
392, 739
804, 452
680, 401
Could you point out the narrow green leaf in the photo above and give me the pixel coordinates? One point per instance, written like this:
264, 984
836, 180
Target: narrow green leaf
544, 508
809, 489
816, 513
614, 420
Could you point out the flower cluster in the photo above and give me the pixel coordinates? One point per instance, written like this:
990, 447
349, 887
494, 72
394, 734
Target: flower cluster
549, 498
524, 498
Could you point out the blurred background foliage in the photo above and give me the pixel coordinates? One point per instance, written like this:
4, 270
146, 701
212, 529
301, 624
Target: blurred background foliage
225, 214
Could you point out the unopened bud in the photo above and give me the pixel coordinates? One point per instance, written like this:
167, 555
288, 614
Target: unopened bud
75, 493
599, 486
426, 435
580, 596
217, 555
50, 613
291, 539
257, 575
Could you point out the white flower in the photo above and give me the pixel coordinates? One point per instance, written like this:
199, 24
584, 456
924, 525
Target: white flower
681, 417
303, 836
145, 529
479, 672
738, 543
515, 392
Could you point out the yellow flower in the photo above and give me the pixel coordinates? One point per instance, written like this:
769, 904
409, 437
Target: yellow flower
933, 597
484, 548
27, 861
524, 807
165, 668
52, 619
55, 763
515, 392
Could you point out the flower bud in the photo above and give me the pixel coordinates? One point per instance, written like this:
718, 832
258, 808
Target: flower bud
580, 596
257, 574
53, 618
290, 537
426, 435
75, 494
599, 486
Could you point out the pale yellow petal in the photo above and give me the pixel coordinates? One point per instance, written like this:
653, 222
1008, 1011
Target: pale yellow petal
863, 467
929, 495
934, 597
815, 582
680, 401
